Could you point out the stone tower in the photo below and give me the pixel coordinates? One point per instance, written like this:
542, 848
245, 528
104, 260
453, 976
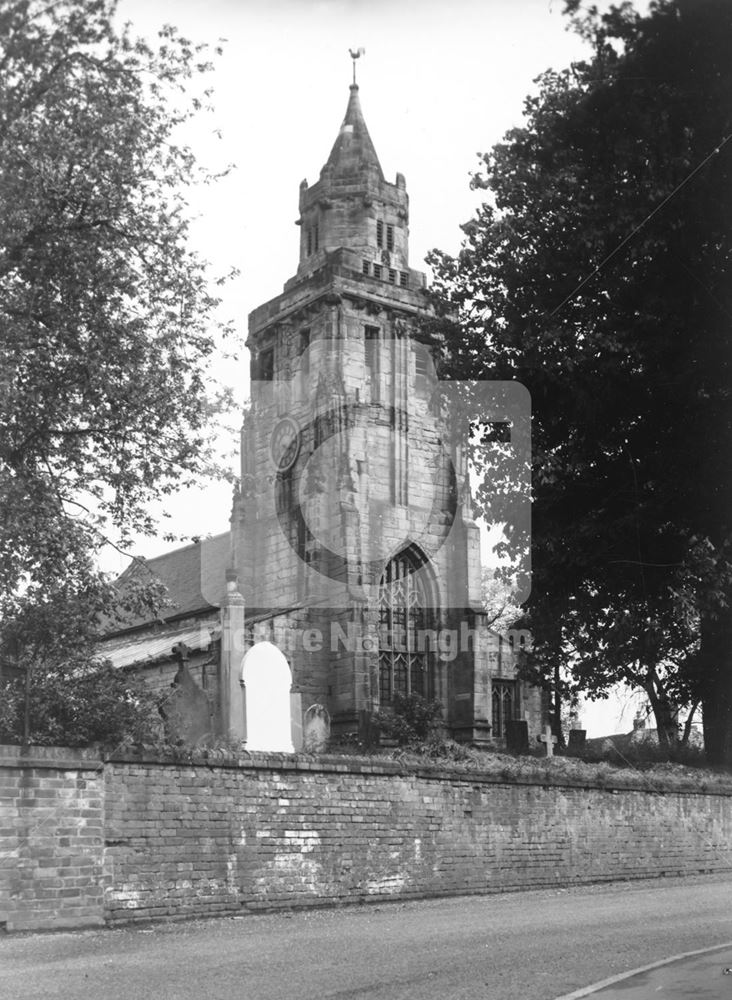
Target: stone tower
352, 535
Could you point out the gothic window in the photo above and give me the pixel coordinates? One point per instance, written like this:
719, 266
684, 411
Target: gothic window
505, 705
379, 233
403, 279
390, 238
377, 270
365, 267
392, 276
404, 656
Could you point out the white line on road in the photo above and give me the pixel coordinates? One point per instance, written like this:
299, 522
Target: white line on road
585, 991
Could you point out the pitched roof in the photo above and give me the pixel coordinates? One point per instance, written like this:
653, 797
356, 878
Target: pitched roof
195, 578
151, 646
353, 148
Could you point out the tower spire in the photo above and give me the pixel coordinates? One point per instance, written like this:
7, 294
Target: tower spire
353, 150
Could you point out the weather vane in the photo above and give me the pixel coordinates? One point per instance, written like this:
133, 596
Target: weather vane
356, 55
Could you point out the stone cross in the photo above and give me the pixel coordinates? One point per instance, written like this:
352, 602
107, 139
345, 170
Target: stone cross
549, 739
180, 652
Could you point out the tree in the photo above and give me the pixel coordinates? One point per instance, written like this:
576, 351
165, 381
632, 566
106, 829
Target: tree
497, 598
647, 647
107, 332
598, 274
108, 324
53, 687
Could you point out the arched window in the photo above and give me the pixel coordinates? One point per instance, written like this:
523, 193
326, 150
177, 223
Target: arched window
505, 704
404, 630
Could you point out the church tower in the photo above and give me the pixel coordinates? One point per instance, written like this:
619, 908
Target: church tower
351, 575
352, 533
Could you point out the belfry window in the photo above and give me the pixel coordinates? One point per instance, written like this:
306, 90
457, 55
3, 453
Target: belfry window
312, 240
390, 238
404, 656
422, 365
505, 705
379, 233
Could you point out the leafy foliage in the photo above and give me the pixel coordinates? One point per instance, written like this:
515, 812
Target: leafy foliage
77, 706
598, 274
498, 603
54, 688
107, 330
412, 719
108, 324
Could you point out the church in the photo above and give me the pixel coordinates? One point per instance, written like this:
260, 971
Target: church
351, 572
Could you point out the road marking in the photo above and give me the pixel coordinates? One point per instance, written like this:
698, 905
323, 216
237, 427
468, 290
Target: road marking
585, 991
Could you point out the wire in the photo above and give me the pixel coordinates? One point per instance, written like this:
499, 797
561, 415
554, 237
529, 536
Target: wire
640, 225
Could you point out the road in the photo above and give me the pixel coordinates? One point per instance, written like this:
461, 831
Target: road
519, 946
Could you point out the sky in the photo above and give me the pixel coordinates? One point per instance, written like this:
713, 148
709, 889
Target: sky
440, 82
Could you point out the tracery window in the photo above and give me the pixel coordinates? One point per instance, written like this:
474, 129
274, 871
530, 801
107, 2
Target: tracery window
505, 705
404, 648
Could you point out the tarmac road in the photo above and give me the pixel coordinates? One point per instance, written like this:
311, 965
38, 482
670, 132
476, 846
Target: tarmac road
520, 946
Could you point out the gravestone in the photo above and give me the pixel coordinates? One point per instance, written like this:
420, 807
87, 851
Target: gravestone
186, 710
267, 681
517, 735
316, 729
577, 739
548, 739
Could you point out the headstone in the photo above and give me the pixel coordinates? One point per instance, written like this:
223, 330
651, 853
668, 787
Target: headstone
368, 729
517, 735
548, 739
186, 710
577, 739
267, 681
316, 729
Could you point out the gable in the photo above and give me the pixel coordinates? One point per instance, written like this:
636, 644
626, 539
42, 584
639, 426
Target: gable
194, 577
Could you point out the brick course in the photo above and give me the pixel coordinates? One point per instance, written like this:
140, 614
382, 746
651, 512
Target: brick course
51, 839
147, 838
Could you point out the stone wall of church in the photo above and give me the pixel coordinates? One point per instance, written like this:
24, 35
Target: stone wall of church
148, 838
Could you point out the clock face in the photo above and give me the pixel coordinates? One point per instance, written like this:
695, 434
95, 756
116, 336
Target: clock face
284, 444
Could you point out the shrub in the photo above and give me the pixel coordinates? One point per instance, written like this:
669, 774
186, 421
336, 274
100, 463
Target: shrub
412, 720
79, 706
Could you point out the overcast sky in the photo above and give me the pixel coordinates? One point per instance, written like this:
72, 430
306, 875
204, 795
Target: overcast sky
439, 83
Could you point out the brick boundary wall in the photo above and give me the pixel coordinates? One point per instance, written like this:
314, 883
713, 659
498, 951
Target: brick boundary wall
51, 838
145, 837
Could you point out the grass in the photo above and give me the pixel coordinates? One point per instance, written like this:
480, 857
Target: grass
641, 769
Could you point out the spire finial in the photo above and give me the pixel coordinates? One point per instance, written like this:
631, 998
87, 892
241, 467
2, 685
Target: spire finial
356, 55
